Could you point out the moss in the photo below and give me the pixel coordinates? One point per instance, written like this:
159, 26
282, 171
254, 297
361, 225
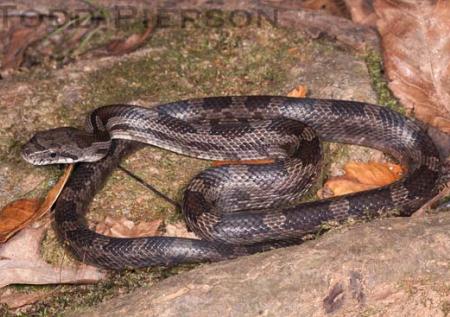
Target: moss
188, 65
385, 97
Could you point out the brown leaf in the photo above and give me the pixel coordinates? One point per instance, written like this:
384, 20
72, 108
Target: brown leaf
124, 46
15, 216
343, 186
299, 92
21, 263
362, 176
124, 228
362, 12
373, 173
19, 41
15, 299
417, 56
54, 193
179, 230
20, 213
333, 7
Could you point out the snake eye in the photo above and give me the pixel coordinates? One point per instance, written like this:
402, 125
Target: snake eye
53, 154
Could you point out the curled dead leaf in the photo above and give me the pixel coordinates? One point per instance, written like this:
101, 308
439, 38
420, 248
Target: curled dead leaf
54, 193
124, 46
19, 40
18, 214
15, 216
299, 92
373, 173
179, 230
333, 7
343, 186
124, 228
21, 263
361, 176
16, 300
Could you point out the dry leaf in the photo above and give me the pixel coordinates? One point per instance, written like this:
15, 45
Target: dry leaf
19, 41
179, 230
362, 12
16, 300
343, 186
299, 92
54, 193
362, 176
21, 263
373, 173
15, 216
417, 56
19, 213
124, 228
123, 46
334, 7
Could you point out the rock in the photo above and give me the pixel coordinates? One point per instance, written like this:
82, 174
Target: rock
390, 267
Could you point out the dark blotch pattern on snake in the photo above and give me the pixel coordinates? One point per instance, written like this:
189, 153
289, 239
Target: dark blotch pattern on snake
237, 209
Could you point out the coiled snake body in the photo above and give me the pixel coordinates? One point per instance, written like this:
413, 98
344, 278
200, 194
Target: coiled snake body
238, 209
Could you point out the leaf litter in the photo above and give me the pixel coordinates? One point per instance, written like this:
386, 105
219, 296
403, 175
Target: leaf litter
20, 213
125, 228
41, 41
21, 263
417, 56
20, 257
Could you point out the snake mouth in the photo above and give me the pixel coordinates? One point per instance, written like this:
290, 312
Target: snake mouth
27, 154
31, 154
31, 158
38, 160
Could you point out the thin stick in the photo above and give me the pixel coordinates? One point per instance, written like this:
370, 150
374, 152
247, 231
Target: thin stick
443, 193
148, 186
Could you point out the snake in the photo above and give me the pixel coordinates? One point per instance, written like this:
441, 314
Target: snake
235, 209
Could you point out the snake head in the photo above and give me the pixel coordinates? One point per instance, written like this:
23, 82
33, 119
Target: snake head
64, 145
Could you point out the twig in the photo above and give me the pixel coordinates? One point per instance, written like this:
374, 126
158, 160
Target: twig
443, 193
148, 186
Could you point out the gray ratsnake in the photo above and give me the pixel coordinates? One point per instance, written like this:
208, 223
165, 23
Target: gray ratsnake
234, 209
